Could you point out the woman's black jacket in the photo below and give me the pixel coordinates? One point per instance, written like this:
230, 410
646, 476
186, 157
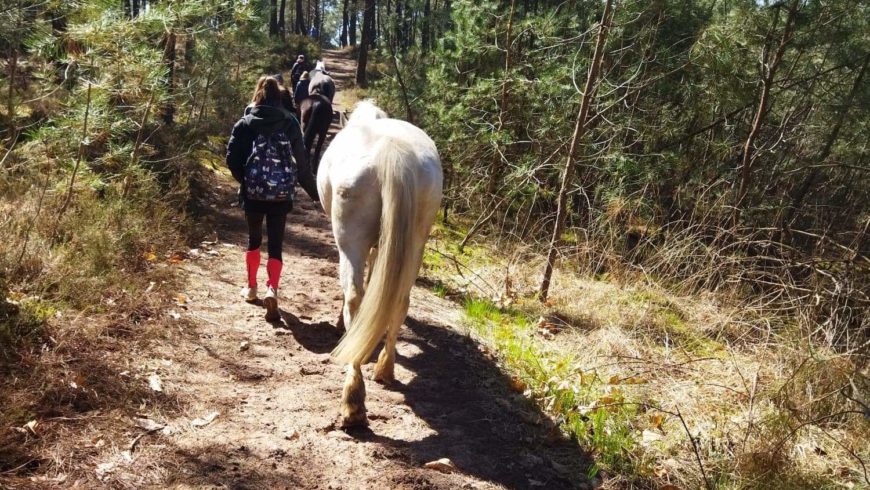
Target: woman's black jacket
265, 119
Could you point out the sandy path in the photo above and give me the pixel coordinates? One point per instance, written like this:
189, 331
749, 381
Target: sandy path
276, 392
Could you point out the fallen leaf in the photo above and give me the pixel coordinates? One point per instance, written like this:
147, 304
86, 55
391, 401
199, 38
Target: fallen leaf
147, 424
31, 426
150, 287
656, 420
245, 345
155, 383
292, 435
149, 256
443, 465
518, 385
205, 420
175, 259
181, 299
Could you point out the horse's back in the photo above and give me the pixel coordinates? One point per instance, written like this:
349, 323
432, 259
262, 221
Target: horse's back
350, 152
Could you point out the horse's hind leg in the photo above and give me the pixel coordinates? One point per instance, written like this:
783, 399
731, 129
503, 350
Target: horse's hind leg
352, 255
353, 398
385, 368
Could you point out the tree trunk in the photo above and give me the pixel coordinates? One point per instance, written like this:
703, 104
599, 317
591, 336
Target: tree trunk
397, 24
579, 132
308, 15
300, 19
81, 152
273, 18
364, 43
424, 33
316, 22
169, 60
371, 27
342, 39
768, 72
135, 8
376, 29
282, 25
352, 23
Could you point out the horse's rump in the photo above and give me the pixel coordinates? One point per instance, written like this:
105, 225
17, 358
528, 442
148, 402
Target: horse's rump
321, 83
316, 115
393, 272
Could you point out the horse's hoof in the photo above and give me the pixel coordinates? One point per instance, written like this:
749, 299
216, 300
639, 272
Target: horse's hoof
358, 419
384, 378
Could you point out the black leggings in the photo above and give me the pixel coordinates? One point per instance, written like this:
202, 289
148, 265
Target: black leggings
274, 231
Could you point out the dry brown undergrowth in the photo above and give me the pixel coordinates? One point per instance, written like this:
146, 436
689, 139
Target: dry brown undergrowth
765, 406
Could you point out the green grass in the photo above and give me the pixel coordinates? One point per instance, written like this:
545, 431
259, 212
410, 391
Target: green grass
440, 289
22, 321
668, 323
595, 413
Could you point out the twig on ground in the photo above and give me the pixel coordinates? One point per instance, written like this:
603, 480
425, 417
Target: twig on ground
695, 449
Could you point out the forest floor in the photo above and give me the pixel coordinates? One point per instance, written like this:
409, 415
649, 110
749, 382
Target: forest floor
243, 403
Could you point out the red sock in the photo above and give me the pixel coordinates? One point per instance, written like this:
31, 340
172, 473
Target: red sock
273, 270
252, 261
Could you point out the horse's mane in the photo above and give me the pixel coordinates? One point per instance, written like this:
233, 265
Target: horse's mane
365, 111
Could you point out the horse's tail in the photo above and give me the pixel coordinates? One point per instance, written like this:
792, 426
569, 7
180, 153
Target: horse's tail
385, 302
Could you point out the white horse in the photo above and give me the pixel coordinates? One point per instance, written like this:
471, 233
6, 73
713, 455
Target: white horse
380, 181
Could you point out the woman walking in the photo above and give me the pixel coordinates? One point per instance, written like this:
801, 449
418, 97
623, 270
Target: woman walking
260, 154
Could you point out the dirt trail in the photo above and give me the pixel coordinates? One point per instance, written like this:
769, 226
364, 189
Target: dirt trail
276, 392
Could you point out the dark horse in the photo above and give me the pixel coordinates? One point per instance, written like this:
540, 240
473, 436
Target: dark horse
316, 115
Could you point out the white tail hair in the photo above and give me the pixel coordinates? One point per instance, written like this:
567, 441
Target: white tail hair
320, 65
384, 304
366, 110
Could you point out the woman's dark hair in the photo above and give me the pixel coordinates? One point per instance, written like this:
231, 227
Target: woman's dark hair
268, 92
287, 100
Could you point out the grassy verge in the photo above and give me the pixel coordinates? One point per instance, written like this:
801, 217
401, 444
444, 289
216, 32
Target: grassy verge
666, 391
